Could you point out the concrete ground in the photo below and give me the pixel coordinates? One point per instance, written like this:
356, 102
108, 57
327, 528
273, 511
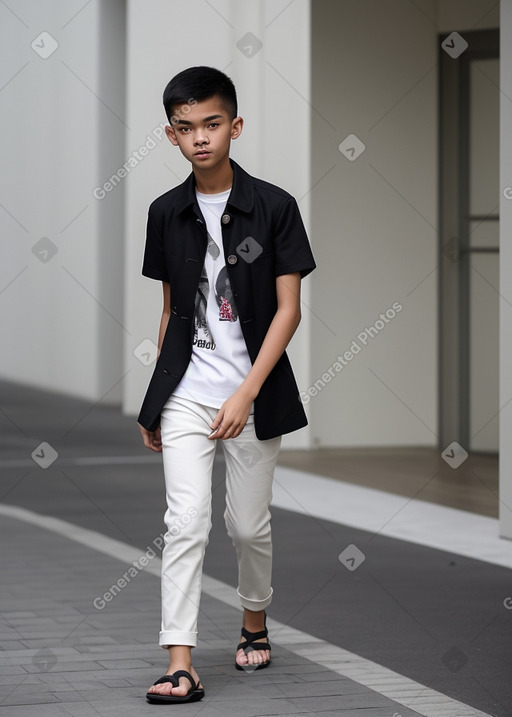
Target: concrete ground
413, 631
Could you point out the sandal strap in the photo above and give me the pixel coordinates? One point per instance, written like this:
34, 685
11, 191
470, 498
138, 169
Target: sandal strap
251, 636
184, 673
174, 678
254, 646
167, 678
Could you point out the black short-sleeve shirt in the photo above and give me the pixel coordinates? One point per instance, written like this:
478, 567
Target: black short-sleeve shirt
154, 265
263, 237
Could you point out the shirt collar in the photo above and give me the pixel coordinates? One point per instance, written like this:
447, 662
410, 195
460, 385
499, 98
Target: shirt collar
241, 195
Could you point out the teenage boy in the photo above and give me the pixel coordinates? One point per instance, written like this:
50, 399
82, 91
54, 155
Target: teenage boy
230, 251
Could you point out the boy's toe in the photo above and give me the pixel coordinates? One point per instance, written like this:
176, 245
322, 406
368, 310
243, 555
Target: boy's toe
241, 657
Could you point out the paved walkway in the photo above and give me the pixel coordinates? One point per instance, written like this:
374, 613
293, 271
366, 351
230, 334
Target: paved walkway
412, 631
63, 656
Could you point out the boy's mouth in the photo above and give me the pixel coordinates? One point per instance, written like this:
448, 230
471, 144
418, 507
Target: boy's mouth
202, 153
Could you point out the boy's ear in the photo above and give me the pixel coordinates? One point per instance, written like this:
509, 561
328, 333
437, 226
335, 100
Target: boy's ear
236, 127
171, 135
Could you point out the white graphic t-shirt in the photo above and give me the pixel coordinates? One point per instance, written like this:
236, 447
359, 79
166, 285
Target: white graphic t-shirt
219, 361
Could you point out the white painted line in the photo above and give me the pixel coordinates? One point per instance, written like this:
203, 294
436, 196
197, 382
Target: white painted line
416, 521
398, 688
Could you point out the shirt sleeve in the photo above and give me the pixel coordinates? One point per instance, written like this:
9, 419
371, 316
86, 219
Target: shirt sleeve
154, 265
291, 245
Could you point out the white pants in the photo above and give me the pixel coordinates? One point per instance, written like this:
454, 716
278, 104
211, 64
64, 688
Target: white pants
188, 462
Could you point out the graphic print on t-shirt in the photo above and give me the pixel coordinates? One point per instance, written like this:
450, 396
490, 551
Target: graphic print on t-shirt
202, 335
203, 338
219, 362
224, 296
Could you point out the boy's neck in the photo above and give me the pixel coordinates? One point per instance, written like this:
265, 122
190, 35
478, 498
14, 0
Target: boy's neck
214, 181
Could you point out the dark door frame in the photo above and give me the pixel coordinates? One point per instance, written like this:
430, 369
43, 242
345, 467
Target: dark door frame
454, 250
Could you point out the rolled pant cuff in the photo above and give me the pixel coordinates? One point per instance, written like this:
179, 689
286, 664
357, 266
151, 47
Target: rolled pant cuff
173, 637
255, 604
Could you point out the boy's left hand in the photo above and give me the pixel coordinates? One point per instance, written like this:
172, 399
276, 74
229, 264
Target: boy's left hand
232, 416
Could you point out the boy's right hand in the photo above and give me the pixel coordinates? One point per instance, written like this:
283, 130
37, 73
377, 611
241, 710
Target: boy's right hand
152, 439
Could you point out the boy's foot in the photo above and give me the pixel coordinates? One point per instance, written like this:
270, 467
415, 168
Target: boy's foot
166, 688
253, 657
255, 634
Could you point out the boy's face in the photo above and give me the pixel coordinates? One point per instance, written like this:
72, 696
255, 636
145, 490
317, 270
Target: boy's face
204, 133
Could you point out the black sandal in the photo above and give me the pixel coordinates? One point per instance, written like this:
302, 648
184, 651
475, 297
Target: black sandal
194, 694
251, 644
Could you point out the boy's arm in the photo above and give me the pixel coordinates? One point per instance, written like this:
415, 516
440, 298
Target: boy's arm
166, 312
234, 411
153, 439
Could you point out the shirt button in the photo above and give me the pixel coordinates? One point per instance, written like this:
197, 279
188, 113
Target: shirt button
225, 219
232, 259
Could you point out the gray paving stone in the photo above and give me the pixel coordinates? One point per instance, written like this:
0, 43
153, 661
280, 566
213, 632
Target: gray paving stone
370, 712
28, 697
119, 664
105, 660
116, 682
16, 679
66, 667
26, 656
100, 640
48, 642
354, 702
262, 707
39, 711
16, 615
113, 650
14, 669
68, 696
8, 645
7, 633
28, 622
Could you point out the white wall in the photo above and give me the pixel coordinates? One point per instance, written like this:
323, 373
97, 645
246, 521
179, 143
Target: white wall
374, 223
374, 219
61, 319
273, 92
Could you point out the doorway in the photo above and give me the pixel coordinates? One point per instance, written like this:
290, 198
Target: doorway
469, 243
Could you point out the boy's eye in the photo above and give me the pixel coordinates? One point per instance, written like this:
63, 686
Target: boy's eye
213, 124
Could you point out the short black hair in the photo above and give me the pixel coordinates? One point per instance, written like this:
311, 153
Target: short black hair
197, 84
